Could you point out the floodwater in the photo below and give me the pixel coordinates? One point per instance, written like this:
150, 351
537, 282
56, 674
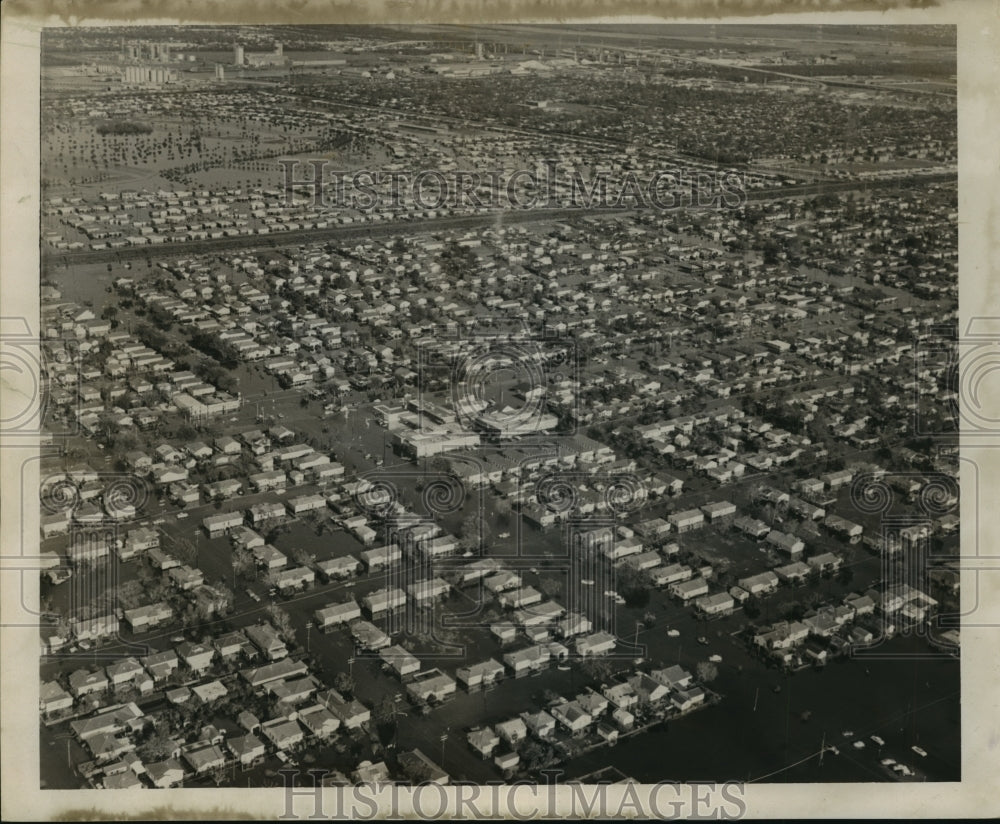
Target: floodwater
903, 701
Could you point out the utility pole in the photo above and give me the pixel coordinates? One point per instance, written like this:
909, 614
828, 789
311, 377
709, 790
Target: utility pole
395, 719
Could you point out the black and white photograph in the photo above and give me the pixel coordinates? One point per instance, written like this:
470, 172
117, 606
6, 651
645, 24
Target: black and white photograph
569, 406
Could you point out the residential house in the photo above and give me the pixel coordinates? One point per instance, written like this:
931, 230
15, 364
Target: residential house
649, 690
352, 714
222, 522
431, 685
160, 664
420, 769
368, 636
84, 682
269, 557
621, 695
282, 733
205, 759
674, 676
53, 698
786, 543
751, 527
268, 640
597, 643
196, 657
343, 567
145, 618
687, 590
319, 721
483, 741
825, 562
334, 614
795, 572
383, 600
722, 603
481, 674
572, 716
719, 510
540, 724
401, 660
292, 578
528, 660
248, 749
512, 731
165, 774
760, 584
687, 520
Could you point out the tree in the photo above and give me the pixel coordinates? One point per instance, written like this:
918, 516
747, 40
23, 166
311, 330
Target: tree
344, 684
440, 465
186, 551
633, 586
282, 622
186, 432
301, 557
130, 594
550, 588
224, 597
599, 669
771, 250
473, 531
384, 712
706, 671
158, 747
537, 755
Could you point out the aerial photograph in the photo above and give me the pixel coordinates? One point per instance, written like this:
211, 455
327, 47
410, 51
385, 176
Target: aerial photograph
500, 403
